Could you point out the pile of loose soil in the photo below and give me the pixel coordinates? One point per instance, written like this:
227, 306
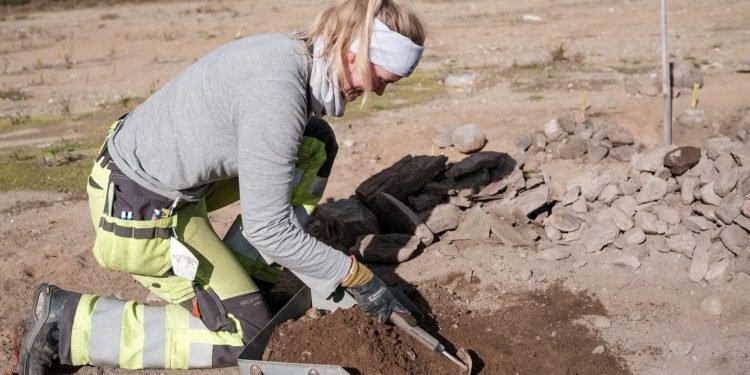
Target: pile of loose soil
535, 334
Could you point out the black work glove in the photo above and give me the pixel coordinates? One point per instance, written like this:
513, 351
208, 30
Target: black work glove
376, 300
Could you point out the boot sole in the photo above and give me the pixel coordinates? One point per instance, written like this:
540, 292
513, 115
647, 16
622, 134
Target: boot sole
38, 324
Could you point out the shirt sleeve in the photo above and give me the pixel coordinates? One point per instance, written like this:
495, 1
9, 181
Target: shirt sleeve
271, 117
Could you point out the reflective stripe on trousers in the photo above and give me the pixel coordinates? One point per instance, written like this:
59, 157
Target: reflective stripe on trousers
130, 335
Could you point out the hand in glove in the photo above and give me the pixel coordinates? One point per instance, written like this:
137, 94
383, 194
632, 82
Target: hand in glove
372, 295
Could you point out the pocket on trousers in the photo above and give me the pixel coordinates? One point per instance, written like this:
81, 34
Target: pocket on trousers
212, 311
138, 247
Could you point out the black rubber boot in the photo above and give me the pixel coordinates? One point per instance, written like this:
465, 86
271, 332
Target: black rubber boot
39, 351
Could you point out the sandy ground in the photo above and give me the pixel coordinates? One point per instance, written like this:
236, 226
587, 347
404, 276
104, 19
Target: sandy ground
81, 59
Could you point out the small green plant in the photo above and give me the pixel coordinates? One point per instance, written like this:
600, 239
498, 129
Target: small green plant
62, 146
536, 98
13, 94
18, 118
109, 16
558, 54
67, 58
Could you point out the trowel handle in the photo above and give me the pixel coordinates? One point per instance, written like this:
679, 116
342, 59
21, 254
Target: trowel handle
418, 333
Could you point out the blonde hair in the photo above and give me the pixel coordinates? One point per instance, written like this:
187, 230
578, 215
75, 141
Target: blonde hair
345, 20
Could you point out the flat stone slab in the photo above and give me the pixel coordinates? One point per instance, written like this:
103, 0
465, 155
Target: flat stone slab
386, 248
507, 233
601, 234
735, 239
478, 161
475, 226
403, 178
443, 218
554, 254
396, 217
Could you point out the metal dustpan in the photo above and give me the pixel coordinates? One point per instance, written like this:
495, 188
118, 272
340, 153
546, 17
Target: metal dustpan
250, 362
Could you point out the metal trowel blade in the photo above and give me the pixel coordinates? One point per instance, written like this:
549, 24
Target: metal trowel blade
465, 357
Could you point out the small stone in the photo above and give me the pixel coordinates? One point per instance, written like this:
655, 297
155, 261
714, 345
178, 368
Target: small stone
709, 196
443, 218
638, 251
717, 274
699, 265
313, 313
622, 220
573, 192
681, 348
725, 163
554, 254
697, 224
619, 136
726, 181
690, 185
575, 148
682, 243
746, 208
735, 239
623, 153
468, 138
478, 162
667, 214
610, 193
730, 208
628, 187
523, 142
649, 223
708, 212
386, 248
598, 350
653, 189
628, 261
564, 221
635, 236
593, 187
635, 316
530, 200
682, 159
601, 234
712, 305
580, 206
553, 234
538, 142
475, 226
553, 130
652, 160
595, 154
580, 263
539, 276
716, 147
691, 118
626, 204
663, 173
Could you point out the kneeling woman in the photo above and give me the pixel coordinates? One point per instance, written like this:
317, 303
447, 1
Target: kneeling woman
242, 123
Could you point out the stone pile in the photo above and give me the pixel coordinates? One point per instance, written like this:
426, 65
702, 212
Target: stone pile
423, 199
687, 200
579, 140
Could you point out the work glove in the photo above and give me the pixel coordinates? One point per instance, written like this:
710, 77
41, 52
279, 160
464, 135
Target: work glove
372, 295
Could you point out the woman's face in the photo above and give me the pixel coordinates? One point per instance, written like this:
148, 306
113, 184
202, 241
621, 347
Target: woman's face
354, 85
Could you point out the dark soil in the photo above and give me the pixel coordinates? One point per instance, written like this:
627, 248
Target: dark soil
534, 334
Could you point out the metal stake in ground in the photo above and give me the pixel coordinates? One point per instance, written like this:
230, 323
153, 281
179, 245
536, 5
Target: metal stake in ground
666, 76
424, 338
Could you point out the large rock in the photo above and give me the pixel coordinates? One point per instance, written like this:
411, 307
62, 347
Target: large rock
652, 160
667, 214
445, 138
553, 130
396, 217
730, 208
708, 195
697, 224
468, 138
403, 178
610, 193
601, 234
595, 153
386, 248
635, 236
591, 186
717, 274
479, 161
682, 159
712, 305
443, 218
626, 204
735, 239
342, 222
523, 142
653, 189
707, 211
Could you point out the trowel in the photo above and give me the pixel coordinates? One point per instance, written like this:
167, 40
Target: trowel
431, 342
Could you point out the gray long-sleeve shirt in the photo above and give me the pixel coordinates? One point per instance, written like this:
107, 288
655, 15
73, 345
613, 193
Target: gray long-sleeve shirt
238, 111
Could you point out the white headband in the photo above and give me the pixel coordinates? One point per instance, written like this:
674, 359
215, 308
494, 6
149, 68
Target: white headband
391, 50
